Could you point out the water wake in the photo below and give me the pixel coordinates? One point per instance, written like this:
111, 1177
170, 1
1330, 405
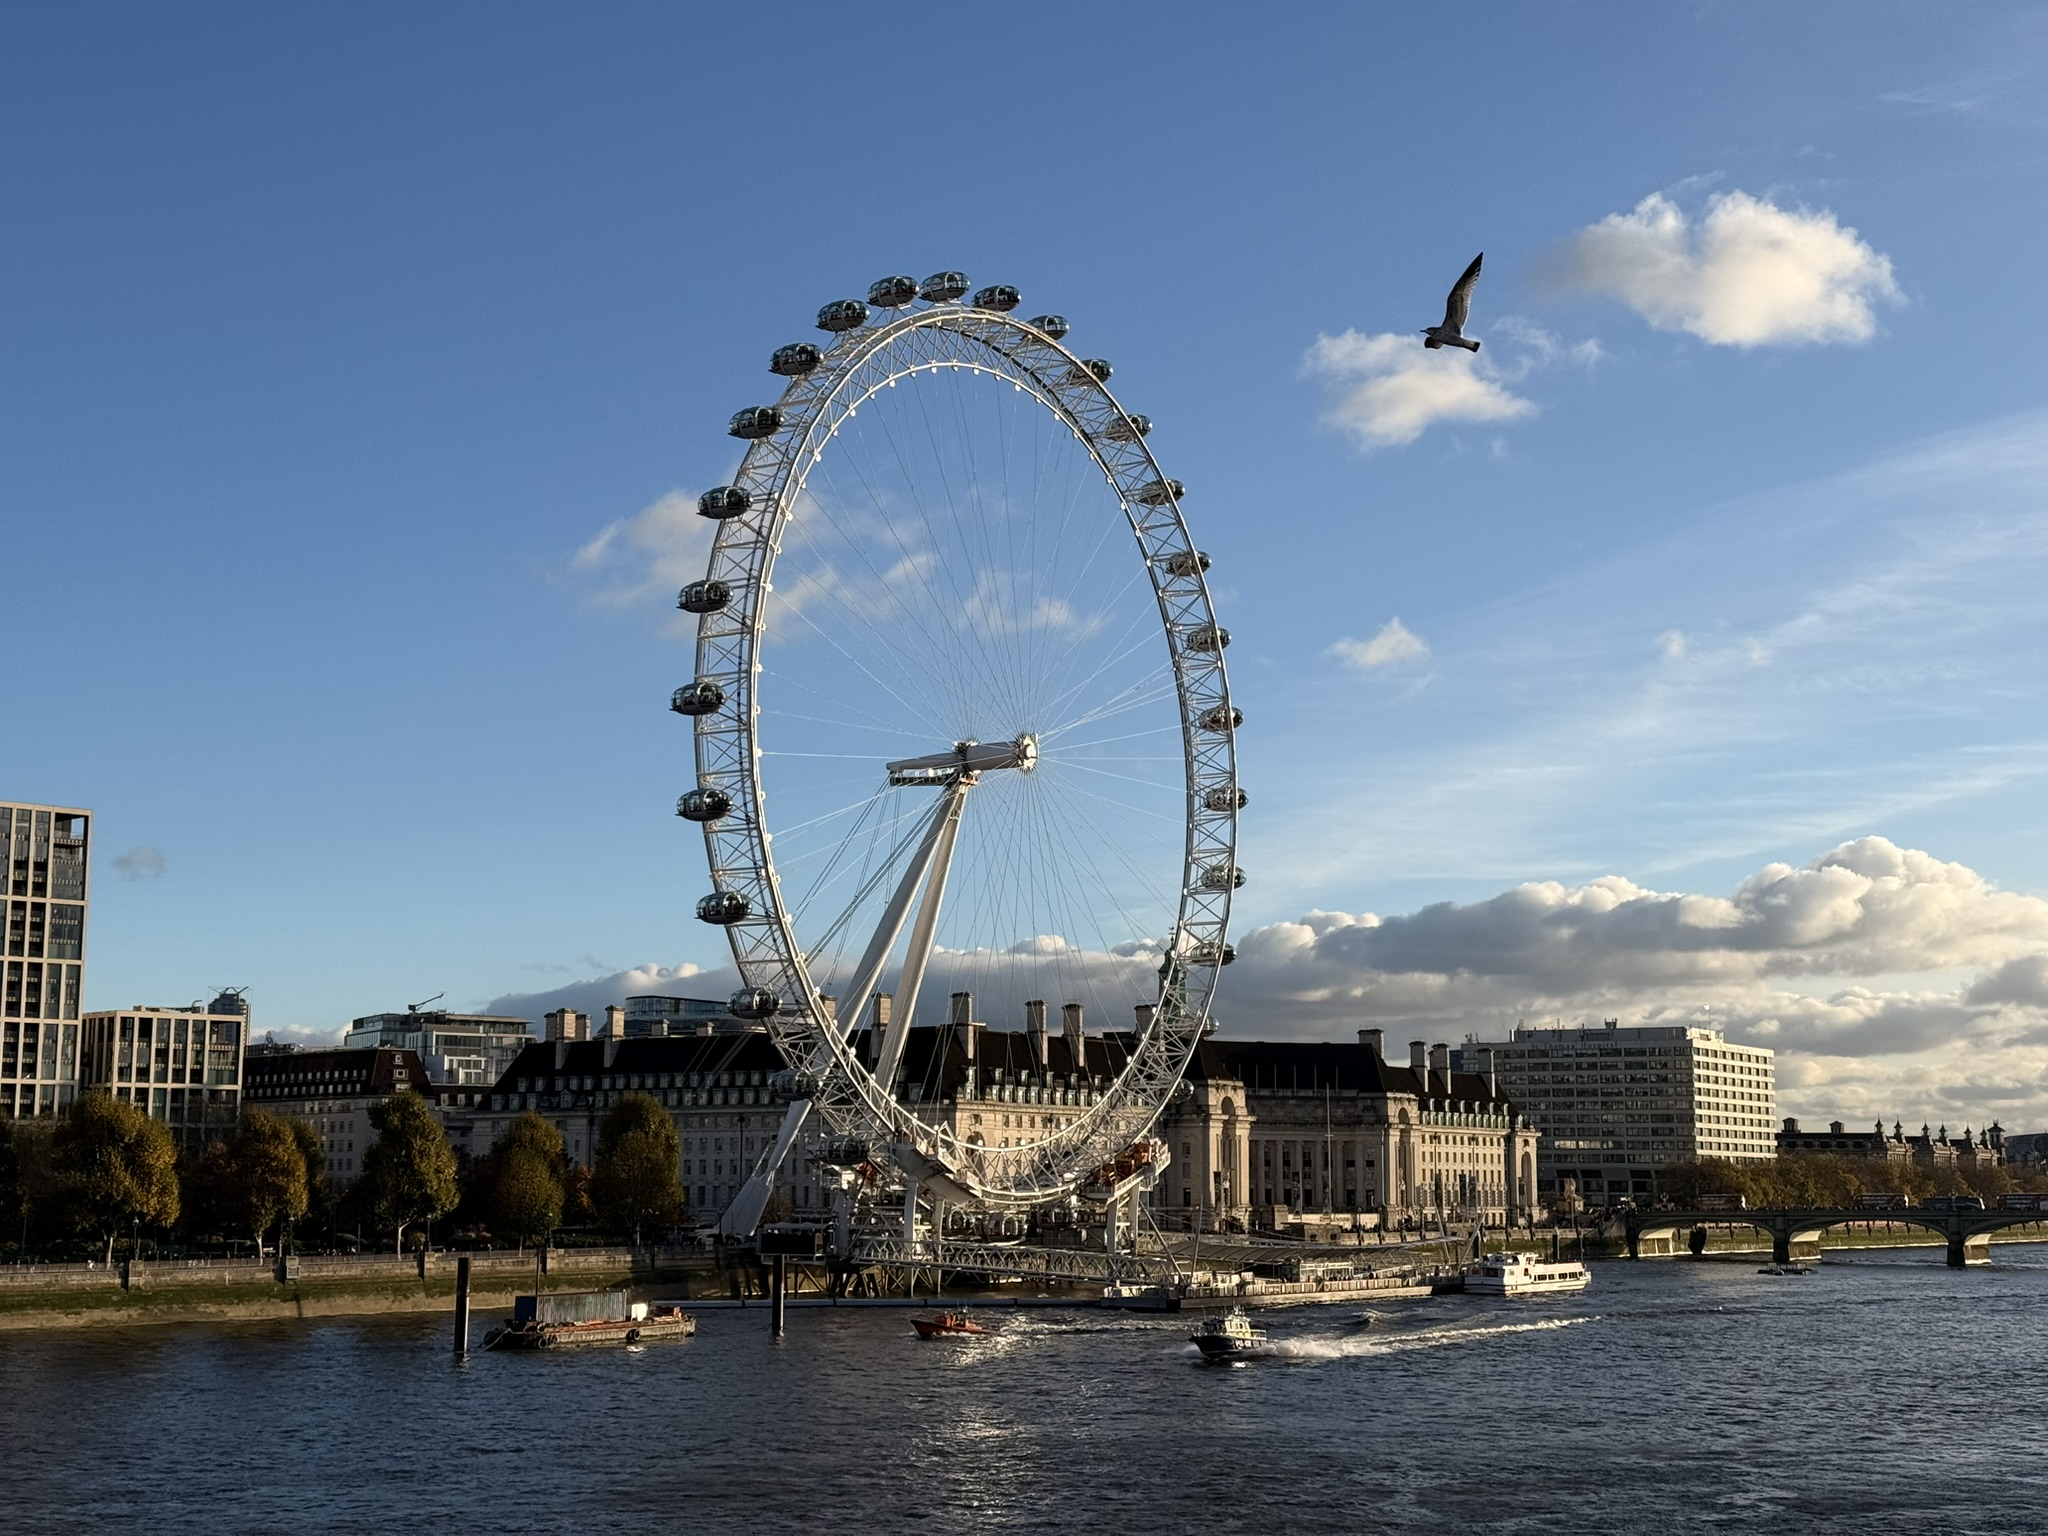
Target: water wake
1311, 1349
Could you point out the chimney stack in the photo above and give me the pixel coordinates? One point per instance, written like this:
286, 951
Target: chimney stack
884, 1005
1440, 1070
963, 1007
1077, 1037
568, 1024
1418, 1062
1377, 1040
964, 1025
614, 1021
829, 1006
611, 1049
561, 1052
1035, 1032
1144, 1012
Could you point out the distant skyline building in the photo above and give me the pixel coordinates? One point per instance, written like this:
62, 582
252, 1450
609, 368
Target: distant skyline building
1616, 1105
660, 1014
468, 1049
182, 1066
44, 887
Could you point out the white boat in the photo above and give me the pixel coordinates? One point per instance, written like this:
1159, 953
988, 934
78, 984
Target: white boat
1519, 1274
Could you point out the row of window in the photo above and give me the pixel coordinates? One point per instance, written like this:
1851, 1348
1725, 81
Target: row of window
39, 1050
32, 990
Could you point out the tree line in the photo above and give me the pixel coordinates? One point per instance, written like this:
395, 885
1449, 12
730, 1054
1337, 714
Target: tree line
103, 1176
1832, 1181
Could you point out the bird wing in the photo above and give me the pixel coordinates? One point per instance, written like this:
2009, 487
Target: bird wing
1459, 304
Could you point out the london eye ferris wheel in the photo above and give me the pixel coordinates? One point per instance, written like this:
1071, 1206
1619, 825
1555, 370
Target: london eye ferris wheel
962, 726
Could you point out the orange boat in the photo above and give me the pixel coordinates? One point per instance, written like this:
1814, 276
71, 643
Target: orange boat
946, 1325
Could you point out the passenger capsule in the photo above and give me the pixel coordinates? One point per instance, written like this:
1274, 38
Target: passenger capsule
1221, 720
1090, 368
723, 908
1128, 429
1212, 954
755, 421
1225, 800
795, 360
1054, 326
1189, 562
1159, 492
997, 296
753, 1003
702, 697
704, 596
704, 804
723, 501
892, 292
843, 315
1208, 638
1217, 877
943, 287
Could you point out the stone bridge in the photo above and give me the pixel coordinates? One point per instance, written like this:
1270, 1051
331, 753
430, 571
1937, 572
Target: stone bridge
1968, 1233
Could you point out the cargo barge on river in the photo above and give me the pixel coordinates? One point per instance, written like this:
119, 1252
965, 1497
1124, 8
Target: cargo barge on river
580, 1319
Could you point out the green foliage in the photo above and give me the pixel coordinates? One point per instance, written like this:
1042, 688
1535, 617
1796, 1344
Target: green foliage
269, 1172
409, 1170
319, 1193
636, 1183
118, 1167
1821, 1180
527, 1184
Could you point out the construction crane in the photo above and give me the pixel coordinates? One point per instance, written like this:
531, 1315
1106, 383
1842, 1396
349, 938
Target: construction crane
416, 1007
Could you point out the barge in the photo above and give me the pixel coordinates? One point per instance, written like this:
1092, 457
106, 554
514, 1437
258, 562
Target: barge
579, 1319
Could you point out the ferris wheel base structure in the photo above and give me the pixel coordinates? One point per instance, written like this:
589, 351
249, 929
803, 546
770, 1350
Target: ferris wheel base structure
947, 534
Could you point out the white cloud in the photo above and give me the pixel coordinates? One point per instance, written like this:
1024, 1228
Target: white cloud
1394, 644
1746, 274
1868, 916
140, 863
634, 559
1392, 389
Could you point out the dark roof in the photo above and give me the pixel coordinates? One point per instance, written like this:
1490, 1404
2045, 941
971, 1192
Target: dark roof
368, 1071
750, 1052
1313, 1065
935, 1056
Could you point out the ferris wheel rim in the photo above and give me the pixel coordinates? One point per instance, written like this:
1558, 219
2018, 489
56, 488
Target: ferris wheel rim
729, 654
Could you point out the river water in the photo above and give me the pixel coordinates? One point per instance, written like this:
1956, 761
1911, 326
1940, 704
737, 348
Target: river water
1884, 1393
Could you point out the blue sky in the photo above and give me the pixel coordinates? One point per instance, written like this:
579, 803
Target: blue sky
331, 339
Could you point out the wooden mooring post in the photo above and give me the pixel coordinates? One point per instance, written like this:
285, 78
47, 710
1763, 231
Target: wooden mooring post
462, 1307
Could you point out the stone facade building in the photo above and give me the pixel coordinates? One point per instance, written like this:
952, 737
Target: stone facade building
333, 1091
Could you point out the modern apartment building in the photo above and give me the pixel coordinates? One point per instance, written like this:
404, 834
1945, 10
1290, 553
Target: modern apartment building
182, 1066
1616, 1104
43, 893
469, 1049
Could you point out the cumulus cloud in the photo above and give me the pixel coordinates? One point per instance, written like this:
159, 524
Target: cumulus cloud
1391, 390
1746, 273
140, 863
1818, 961
1394, 644
593, 995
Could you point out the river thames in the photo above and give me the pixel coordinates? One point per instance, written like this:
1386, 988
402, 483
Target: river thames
1884, 1393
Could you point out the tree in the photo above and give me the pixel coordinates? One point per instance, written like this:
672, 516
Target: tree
636, 1183
118, 1166
319, 1194
268, 1179
527, 1189
409, 1170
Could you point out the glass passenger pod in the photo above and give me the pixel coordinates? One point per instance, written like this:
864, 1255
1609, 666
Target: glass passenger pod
943, 287
1221, 720
1222, 877
1054, 326
997, 296
1212, 954
753, 1003
795, 360
723, 501
1128, 429
707, 596
1090, 368
1226, 799
843, 315
756, 421
1188, 562
892, 292
1208, 639
702, 697
723, 908
706, 804
1159, 492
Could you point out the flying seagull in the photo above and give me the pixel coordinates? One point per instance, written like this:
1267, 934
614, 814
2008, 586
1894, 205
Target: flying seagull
1452, 332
